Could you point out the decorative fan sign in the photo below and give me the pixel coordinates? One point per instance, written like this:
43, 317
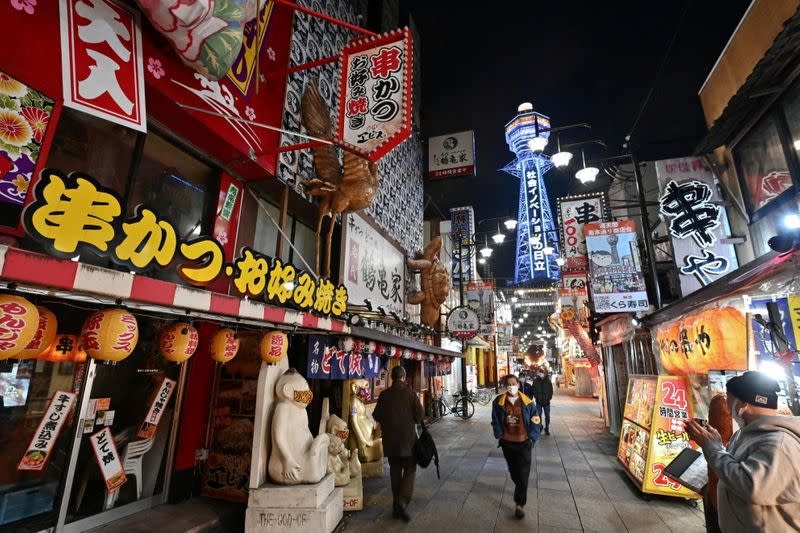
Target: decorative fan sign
375, 100
463, 322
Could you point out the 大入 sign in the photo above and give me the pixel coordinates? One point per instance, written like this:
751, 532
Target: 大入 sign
101, 56
697, 222
451, 155
615, 270
44, 438
463, 322
375, 99
373, 268
574, 212
72, 215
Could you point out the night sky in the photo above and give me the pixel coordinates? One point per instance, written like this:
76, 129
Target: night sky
576, 61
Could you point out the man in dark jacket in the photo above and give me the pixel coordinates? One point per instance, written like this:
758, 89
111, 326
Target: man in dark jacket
398, 411
516, 424
542, 390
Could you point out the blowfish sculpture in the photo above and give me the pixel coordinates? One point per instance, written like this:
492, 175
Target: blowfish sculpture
340, 189
434, 282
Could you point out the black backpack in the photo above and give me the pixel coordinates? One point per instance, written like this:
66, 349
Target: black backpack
425, 450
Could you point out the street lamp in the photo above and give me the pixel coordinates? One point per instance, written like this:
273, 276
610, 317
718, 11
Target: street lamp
537, 144
510, 224
499, 237
586, 174
481, 260
485, 252
560, 159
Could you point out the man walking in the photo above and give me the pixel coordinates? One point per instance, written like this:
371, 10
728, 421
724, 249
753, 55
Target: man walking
517, 426
759, 470
542, 390
398, 411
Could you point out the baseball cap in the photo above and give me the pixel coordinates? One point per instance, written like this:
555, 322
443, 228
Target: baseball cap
755, 388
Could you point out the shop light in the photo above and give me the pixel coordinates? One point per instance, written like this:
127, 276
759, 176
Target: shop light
791, 221
773, 370
539, 328
537, 144
548, 250
560, 261
510, 224
481, 260
524, 315
514, 299
289, 285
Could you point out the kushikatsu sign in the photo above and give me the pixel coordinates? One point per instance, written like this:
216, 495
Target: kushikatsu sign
74, 214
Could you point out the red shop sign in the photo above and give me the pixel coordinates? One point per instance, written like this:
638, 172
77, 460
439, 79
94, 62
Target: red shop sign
101, 61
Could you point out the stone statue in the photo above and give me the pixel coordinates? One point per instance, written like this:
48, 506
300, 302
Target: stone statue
336, 465
296, 457
336, 427
434, 282
367, 434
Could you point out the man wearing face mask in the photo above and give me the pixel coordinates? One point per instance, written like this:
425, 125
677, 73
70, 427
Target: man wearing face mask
759, 470
542, 390
517, 426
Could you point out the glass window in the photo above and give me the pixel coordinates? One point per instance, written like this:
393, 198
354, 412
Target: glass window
762, 164
266, 237
304, 241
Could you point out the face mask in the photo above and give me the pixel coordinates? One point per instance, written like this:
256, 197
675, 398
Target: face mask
513, 389
363, 394
343, 434
303, 396
737, 412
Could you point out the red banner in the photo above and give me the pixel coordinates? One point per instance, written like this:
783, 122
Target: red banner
570, 321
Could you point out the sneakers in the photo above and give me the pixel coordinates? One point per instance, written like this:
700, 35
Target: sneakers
519, 512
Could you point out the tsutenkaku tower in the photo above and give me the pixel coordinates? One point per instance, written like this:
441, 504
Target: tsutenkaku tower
536, 230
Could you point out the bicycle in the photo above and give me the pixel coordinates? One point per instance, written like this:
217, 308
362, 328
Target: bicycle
462, 406
483, 396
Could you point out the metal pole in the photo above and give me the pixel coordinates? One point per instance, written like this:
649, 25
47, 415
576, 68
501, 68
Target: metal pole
460, 303
648, 238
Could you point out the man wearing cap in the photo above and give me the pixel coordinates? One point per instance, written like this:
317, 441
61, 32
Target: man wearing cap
759, 471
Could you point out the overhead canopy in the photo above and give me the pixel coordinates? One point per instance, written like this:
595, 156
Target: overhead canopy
388, 338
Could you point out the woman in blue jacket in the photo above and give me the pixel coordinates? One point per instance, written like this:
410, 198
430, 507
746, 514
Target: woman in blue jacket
516, 424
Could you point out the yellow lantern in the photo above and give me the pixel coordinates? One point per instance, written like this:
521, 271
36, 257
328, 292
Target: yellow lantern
224, 345
110, 335
273, 346
64, 348
178, 342
44, 336
19, 321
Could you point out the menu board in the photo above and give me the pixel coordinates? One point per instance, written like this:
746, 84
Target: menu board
653, 432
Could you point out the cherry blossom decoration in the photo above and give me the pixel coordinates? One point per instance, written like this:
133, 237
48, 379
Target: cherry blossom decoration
155, 68
28, 6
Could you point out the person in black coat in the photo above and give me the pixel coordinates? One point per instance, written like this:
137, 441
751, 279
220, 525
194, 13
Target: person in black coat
542, 390
398, 411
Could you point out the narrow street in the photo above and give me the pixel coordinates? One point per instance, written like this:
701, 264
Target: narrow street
576, 484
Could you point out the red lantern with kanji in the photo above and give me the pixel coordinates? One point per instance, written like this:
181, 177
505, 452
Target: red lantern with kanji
224, 345
110, 335
273, 346
65, 347
178, 342
44, 336
19, 321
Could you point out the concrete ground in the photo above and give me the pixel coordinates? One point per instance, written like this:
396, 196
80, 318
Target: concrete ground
576, 484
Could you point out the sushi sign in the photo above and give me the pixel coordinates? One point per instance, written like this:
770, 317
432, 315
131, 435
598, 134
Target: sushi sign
44, 438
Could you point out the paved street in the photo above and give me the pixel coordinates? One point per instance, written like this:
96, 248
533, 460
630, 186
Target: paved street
575, 484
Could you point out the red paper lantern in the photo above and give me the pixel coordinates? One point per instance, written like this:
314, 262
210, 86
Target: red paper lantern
224, 345
44, 336
19, 321
273, 346
178, 342
110, 335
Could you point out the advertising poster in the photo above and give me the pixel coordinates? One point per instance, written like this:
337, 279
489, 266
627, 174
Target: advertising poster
698, 223
105, 451
44, 438
462, 228
374, 269
641, 399
451, 155
160, 401
574, 212
634, 441
785, 318
480, 298
570, 321
614, 267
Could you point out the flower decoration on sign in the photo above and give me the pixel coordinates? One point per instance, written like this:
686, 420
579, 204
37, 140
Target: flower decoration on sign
222, 237
155, 68
24, 5
271, 54
250, 113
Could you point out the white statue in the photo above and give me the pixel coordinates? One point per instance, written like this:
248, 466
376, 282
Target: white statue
296, 456
337, 429
336, 465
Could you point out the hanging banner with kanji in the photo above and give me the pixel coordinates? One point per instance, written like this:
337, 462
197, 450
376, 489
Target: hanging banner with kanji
101, 61
693, 210
573, 213
327, 361
105, 451
615, 270
44, 438
375, 93
160, 401
570, 321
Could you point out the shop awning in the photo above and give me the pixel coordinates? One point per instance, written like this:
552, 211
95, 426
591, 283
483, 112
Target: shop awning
395, 340
769, 77
748, 276
44, 274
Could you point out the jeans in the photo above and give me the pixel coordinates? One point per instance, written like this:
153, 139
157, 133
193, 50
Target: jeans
518, 459
402, 471
546, 410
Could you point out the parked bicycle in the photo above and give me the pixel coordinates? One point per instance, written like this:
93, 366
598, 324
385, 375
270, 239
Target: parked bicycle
483, 396
462, 406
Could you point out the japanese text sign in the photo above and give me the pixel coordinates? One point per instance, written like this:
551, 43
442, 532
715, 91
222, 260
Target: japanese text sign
480, 297
374, 269
463, 322
375, 100
72, 214
101, 61
160, 401
451, 155
108, 459
44, 438
698, 223
462, 228
327, 361
573, 213
615, 270
570, 321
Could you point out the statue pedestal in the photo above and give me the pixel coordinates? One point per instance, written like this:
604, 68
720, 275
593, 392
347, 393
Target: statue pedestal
353, 494
373, 469
297, 508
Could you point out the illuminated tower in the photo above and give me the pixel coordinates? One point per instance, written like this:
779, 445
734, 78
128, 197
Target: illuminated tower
537, 239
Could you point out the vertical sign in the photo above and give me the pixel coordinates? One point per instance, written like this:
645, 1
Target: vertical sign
462, 228
698, 223
574, 212
160, 401
480, 298
451, 155
44, 438
101, 61
108, 459
375, 99
615, 270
